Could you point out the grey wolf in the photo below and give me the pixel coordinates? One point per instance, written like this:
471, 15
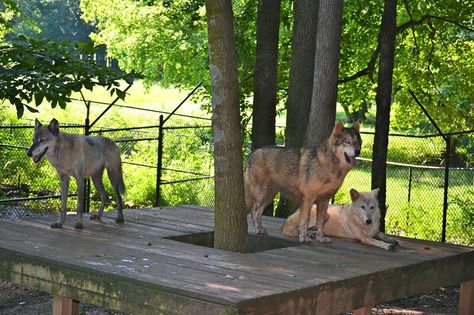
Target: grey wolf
359, 220
80, 157
305, 176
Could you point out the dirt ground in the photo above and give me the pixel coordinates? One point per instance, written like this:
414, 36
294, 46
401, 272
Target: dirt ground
16, 299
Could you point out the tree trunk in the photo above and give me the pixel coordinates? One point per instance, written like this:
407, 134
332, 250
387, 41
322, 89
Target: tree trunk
384, 100
326, 70
230, 213
300, 88
266, 75
264, 99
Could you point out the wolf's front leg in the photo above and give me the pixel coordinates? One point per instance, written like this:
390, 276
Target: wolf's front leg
80, 202
321, 211
387, 239
372, 241
64, 193
305, 211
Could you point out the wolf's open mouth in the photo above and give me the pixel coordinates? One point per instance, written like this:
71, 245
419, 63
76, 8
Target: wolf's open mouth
350, 159
37, 158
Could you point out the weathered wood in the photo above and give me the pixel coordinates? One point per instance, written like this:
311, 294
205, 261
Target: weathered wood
136, 268
64, 306
466, 298
363, 311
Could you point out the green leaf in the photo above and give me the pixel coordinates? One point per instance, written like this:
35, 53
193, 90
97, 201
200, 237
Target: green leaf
39, 98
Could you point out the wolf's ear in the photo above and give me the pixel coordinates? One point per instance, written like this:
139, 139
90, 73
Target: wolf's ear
376, 192
37, 123
54, 126
356, 125
338, 128
354, 194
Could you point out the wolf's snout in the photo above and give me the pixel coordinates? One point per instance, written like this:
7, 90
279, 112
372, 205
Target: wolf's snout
357, 152
368, 221
29, 153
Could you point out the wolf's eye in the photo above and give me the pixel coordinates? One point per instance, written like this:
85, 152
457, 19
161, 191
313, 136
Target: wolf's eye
42, 140
372, 208
363, 207
347, 142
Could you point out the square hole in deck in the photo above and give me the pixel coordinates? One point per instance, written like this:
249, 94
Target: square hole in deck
254, 244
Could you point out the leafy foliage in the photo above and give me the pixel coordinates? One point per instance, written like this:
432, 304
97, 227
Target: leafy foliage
35, 69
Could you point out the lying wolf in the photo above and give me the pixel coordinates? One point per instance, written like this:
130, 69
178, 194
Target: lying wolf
306, 176
359, 220
80, 157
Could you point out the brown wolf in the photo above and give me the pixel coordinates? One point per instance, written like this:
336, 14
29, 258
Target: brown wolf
81, 157
305, 176
359, 220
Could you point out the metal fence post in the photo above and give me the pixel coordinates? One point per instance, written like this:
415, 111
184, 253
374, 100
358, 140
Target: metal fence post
87, 181
410, 176
159, 162
446, 185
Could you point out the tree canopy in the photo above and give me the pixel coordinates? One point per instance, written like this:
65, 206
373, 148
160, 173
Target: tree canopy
166, 40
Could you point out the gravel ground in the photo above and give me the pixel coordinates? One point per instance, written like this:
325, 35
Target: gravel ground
16, 299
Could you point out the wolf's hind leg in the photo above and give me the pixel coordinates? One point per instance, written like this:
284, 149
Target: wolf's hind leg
64, 192
99, 185
115, 176
257, 212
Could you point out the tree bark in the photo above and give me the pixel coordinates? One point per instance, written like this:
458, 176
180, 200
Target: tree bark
230, 213
300, 87
266, 76
265, 95
326, 69
383, 100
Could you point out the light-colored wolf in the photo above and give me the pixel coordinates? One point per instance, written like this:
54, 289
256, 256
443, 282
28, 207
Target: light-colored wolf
359, 220
305, 176
80, 157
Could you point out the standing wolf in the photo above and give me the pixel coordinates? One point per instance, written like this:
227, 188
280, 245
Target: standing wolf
359, 220
81, 157
305, 176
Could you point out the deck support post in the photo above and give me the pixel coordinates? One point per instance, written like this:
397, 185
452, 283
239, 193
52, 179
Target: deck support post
466, 298
65, 306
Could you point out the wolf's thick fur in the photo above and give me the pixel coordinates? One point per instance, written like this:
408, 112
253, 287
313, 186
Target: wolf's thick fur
359, 220
80, 157
304, 176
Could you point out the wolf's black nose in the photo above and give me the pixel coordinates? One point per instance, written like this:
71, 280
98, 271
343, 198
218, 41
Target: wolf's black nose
368, 221
29, 153
357, 152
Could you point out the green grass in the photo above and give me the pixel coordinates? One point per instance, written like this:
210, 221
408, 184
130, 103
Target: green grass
191, 150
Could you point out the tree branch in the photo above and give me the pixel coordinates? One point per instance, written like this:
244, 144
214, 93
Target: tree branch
400, 29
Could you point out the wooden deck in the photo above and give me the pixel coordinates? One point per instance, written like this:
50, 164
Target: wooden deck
136, 268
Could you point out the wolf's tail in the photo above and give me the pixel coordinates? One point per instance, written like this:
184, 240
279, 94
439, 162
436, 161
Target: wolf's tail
114, 170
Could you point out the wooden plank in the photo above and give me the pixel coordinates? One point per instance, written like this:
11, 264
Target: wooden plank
466, 297
64, 306
134, 268
363, 311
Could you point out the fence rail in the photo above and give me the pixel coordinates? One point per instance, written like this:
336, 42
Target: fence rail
171, 163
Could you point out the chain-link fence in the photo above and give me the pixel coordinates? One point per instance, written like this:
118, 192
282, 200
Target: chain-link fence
183, 174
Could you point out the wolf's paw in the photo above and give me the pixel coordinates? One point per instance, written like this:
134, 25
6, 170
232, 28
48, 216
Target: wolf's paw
392, 241
323, 239
305, 239
120, 219
95, 216
260, 230
56, 225
78, 225
391, 247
